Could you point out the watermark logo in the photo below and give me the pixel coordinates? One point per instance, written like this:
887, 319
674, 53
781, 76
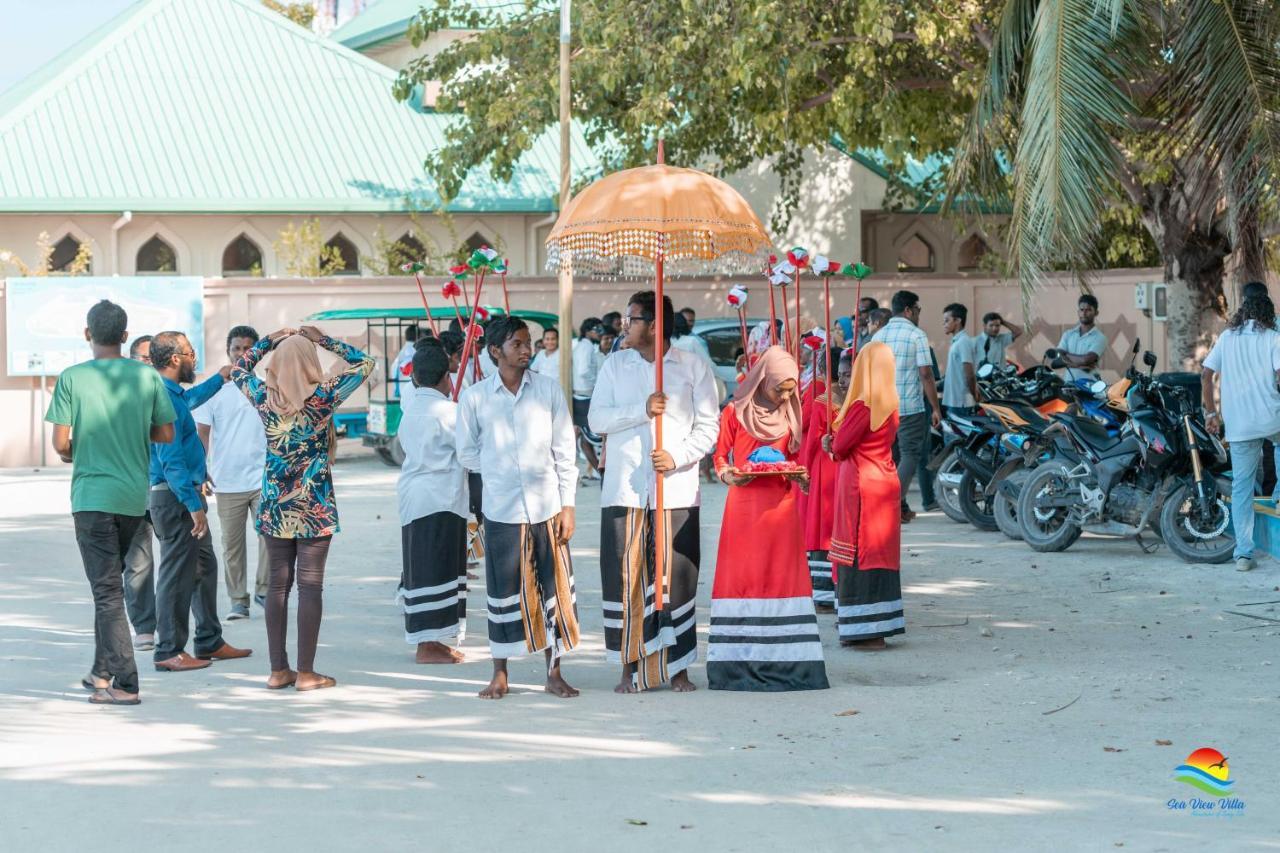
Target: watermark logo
1208, 771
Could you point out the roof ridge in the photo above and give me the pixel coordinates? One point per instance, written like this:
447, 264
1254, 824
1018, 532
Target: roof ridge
310, 35
23, 95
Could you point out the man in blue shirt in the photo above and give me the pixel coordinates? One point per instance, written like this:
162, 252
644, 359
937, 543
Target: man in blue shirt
187, 573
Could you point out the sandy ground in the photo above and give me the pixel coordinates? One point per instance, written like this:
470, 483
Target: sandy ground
950, 740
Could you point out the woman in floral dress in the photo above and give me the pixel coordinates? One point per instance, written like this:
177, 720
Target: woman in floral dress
298, 514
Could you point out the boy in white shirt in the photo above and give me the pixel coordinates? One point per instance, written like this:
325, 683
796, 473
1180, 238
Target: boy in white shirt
231, 430
515, 429
433, 511
652, 646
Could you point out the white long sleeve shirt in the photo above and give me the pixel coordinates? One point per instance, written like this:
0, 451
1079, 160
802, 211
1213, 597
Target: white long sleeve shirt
431, 478
689, 427
522, 444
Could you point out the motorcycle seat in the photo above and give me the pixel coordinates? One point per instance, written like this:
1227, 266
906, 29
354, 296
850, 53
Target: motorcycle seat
1093, 434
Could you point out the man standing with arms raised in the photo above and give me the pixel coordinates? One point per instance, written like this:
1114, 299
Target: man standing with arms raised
230, 428
515, 429
105, 413
187, 577
652, 646
914, 378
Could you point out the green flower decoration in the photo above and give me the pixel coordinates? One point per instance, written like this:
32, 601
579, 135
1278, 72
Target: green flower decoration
858, 270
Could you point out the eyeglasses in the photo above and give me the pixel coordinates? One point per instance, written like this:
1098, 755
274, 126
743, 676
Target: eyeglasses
628, 319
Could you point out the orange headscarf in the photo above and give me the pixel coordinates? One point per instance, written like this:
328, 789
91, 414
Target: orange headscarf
874, 383
760, 417
292, 375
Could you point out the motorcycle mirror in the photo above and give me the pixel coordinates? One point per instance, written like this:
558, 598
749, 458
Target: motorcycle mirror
1149, 359
1098, 387
986, 370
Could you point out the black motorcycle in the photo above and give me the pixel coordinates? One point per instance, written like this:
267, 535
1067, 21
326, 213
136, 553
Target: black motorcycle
1163, 471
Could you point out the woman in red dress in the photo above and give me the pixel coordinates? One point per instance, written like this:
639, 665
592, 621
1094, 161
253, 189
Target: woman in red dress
764, 633
817, 507
866, 537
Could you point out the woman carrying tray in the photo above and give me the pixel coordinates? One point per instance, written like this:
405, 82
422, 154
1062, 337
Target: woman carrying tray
866, 537
764, 632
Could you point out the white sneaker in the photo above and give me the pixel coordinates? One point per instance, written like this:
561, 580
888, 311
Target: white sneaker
1245, 564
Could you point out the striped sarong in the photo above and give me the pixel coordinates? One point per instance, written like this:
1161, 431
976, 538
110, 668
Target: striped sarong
870, 603
433, 579
824, 588
659, 643
531, 595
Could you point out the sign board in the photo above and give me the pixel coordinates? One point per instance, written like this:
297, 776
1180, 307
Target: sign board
45, 316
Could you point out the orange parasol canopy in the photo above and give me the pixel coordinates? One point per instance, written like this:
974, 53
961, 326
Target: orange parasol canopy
622, 223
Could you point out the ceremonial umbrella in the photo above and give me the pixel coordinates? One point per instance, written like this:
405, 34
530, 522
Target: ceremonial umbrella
657, 220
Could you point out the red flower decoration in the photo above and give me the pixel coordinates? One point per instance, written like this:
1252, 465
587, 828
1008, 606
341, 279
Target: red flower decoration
482, 313
459, 269
451, 290
406, 369
773, 259
799, 259
833, 267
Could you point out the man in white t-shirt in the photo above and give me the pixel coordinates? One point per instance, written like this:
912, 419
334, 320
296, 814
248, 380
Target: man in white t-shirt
1247, 358
1082, 346
238, 447
547, 361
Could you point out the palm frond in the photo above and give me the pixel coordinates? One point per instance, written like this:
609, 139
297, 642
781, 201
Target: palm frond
1073, 108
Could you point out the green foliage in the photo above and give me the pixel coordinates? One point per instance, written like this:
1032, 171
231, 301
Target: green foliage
302, 14
302, 252
724, 82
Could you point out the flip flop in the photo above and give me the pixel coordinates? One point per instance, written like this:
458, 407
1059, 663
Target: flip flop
108, 697
326, 681
289, 683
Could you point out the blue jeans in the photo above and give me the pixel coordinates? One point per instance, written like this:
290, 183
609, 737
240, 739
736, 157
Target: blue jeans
1246, 457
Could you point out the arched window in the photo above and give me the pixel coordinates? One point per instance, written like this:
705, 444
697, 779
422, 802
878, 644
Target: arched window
242, 257
477, 241
157, 256
348, 257
66, 253
915, 255
405, 250
972, 251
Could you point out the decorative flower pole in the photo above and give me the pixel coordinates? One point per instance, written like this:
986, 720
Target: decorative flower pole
737, 299
857, 271
451, 291
474, 330
825, 267
416, 267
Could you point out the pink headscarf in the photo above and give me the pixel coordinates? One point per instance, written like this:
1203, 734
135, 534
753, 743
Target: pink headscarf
759, 417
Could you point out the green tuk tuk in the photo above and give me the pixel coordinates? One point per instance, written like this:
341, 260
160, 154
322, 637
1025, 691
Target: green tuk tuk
383, 419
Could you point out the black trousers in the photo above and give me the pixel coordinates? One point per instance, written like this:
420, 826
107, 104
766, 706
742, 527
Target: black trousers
104, 539
186, 581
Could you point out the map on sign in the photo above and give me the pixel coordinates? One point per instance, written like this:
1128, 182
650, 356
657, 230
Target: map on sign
45, 317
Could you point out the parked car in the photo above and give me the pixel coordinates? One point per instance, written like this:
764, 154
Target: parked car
724, 341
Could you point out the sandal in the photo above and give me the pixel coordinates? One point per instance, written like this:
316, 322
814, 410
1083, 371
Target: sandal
325, 681
91, 683
111, 696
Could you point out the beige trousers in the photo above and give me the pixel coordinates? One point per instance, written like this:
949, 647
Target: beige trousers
235, 509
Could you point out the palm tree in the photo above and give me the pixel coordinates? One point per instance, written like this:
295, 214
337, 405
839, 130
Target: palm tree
1166, 105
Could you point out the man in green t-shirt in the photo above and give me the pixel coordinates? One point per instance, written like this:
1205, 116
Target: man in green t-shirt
106, 412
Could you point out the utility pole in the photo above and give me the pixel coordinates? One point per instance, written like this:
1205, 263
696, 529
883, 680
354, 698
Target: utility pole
566, 273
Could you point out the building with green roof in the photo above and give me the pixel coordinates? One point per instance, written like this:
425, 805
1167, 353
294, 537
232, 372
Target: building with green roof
188, 135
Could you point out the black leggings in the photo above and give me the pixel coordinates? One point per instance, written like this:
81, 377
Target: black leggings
308, 557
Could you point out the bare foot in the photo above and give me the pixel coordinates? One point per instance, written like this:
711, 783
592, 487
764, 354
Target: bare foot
874, 645
314, 681
497, 687
824, 608
281, 678
437, 653
626, 684
557, 686
472, 576
680, 683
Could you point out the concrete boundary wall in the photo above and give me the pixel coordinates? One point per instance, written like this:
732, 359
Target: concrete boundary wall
269, 303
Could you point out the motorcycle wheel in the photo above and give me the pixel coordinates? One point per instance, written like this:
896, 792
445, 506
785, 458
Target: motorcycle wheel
1193, 539
946, 487
1005, 509
1045, 531
976, 505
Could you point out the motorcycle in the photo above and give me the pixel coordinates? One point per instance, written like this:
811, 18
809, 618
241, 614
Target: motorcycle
1164, 471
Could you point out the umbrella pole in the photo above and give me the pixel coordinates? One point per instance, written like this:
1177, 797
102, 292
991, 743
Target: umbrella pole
659, 516
826, 292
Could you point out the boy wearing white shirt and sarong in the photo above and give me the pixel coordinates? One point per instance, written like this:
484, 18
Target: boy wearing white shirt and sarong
515, 429
652, 646
433, 511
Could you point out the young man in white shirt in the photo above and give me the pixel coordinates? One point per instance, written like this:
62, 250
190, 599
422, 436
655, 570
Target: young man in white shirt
652, 646
1082, 346
1247, 358
433, 511
547, 361
515, 429
586, 366
238, 455
960, 388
